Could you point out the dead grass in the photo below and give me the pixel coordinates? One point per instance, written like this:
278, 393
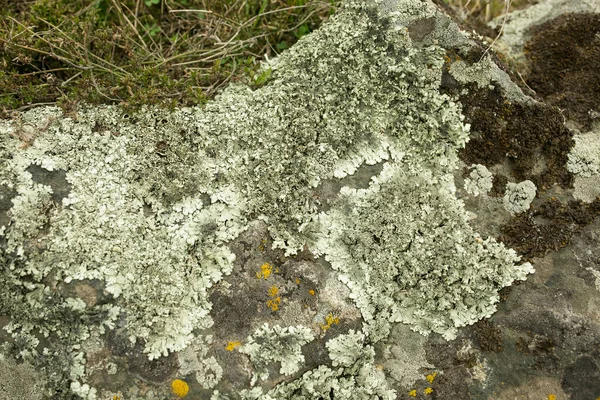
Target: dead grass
486, 10
135, 52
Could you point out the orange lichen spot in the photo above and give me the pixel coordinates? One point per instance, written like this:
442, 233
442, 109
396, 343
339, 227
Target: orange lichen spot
262, 245
273, 291
298, 281
180, 388
413, 393
273, 304
265, 271
232, 345
553, 397
311, 292
428, 391
431, 377
275, 300
330, 320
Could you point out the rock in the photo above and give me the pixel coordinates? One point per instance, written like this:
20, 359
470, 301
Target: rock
279, 242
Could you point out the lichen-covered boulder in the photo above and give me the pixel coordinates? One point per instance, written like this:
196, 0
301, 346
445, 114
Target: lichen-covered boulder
269, 244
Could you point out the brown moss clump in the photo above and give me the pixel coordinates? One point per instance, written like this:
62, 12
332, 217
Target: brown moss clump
529, 137
488, 336
564, 55
548, 227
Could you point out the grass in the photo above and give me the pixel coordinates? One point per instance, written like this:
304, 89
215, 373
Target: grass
134, 52
486, 10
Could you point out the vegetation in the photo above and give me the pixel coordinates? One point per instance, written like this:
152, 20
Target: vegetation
486, 10
135, 52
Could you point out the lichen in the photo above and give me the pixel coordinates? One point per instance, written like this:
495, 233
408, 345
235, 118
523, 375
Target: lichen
431, 271
354, 375
584, 162
279, 344
194, 359
518, 196
155, 198
480, 180
180, 388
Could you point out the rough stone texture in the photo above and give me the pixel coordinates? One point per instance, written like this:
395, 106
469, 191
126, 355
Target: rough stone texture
318, 237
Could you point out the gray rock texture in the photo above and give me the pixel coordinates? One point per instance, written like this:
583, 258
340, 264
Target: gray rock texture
316, 237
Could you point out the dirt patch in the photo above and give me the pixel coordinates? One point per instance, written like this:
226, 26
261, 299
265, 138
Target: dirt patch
564, 56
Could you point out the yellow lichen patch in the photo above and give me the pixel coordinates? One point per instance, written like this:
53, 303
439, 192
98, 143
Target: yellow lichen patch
552, 397
273, 304
265, 271
428, 391
262, 245
298, 281
330, 320
232, 345
275, 300
311, 292
413, 393
180, 388
431, 377
273, 291
116, 397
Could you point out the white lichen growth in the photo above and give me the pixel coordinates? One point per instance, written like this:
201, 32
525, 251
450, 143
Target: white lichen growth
354, 376
409, 255
584, 158
155, 198
518, 196
480, 180
280, 344
345, 350
194, 359
584, 162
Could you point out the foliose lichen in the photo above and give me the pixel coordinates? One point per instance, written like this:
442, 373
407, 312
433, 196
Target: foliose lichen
518, 196
480, 180
155, 197
276, 344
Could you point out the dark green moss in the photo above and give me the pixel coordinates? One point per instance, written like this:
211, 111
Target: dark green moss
549, 226
530, 138
564, 54
488, 336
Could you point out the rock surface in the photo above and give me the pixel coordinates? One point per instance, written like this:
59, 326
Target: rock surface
319, 236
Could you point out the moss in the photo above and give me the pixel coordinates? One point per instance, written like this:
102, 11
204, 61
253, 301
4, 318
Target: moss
518, 134
549, 226
488, 336
564, 55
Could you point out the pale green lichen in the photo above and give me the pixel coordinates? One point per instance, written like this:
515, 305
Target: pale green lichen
405, 249
354, 376
156, 197
584, 162
518, 196
194, 359
479, 181
584, 158
276, 344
